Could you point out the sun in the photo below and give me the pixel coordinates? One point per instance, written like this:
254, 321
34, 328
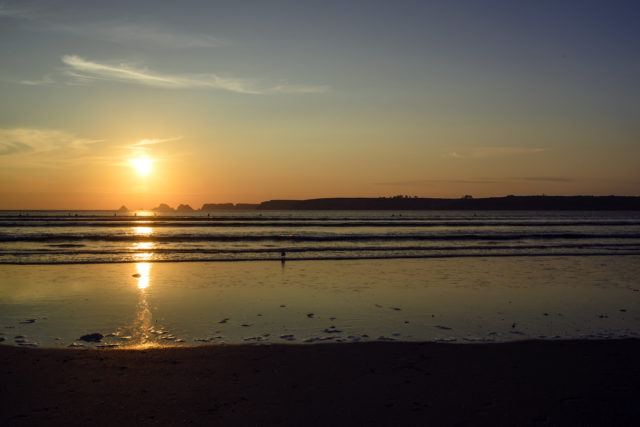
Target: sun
142, 165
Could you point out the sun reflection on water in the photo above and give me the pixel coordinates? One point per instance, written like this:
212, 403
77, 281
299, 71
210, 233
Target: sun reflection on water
142, 326
142, 231
143, 269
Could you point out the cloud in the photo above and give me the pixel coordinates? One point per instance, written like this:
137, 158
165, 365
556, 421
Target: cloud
505, 151
490, 152
153, 141
45, 147
421, 182
12, 147
140, 33
85, 71
151, 35
498, 180
46, 80
545, 179
10, 12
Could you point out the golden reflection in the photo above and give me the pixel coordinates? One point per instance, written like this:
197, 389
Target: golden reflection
143, 273
142, 231
143, 246
142, 327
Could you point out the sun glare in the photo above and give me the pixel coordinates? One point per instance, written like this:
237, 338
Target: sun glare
142, 165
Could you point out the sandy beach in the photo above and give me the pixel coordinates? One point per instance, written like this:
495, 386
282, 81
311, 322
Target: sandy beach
521, 383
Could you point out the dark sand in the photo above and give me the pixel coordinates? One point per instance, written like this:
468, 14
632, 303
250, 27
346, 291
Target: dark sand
524, 383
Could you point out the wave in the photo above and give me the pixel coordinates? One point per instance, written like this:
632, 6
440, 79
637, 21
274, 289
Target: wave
293, 249
316, 223
50, 237
325, 258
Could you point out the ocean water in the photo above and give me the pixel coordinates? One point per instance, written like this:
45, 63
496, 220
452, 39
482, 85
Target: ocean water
460, 277
46, 237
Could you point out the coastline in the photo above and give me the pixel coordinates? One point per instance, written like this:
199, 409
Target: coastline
520, 383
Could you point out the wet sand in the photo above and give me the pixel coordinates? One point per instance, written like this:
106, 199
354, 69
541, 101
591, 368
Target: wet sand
463, 300
521, 383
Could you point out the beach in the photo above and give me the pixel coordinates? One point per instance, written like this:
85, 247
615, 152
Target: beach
504, 319
522, 383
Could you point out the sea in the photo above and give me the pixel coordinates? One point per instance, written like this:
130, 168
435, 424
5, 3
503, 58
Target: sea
143, 278
55, 237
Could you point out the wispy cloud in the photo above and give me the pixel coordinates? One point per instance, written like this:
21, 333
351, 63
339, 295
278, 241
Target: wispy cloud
474, 181
141, 34
86, 70
489, 152
545, 179
12, 147
152, 35
43, 147
44, 81
13, 12
152, 141
422, 182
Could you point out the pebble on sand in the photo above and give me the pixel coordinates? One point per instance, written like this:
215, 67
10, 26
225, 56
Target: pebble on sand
95, 337
288, 337
28, 321
137, 275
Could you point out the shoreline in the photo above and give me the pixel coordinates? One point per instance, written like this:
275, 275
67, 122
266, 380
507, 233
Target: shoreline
571, 382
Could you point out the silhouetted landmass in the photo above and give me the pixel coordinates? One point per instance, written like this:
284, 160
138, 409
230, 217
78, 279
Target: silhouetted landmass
466, 203
228, 206
184, 208
123, 209
163, 207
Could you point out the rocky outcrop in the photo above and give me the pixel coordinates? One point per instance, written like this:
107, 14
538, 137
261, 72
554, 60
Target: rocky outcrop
163, 207
184, 208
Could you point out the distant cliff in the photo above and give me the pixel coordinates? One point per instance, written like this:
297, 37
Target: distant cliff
228, 206
163, 207
184, 208
466, 203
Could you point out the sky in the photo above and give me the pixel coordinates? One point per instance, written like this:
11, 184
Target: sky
147, 102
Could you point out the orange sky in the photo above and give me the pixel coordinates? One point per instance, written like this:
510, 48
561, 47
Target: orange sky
244, 105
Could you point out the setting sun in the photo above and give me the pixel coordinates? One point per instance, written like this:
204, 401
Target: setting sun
142, 165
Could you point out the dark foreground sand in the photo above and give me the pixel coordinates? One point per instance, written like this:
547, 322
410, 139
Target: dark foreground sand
525, 383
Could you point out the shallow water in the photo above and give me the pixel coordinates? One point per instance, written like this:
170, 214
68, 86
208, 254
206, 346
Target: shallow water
483, 299
49, 237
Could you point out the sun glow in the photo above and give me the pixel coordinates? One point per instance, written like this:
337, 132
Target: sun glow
143, 269
142, 165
